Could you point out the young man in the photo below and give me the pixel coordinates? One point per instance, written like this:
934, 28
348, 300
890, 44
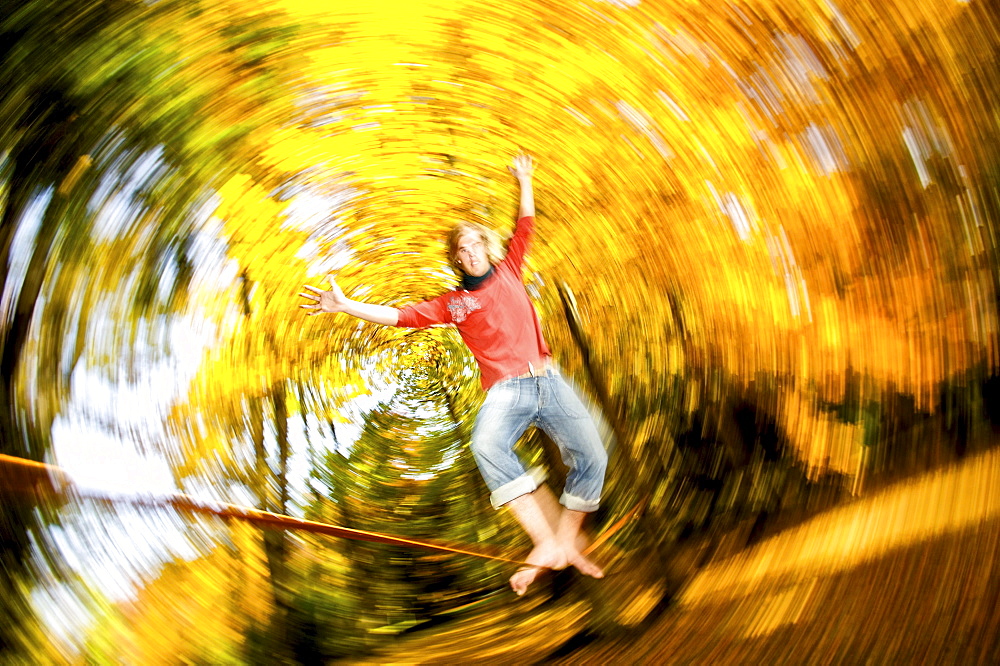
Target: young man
499, 324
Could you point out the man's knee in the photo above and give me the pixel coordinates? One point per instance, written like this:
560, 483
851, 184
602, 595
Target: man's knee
602, 458
594, 455
597, 461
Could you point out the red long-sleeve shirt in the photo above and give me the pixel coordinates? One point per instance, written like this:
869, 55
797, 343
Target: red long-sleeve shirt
497, 321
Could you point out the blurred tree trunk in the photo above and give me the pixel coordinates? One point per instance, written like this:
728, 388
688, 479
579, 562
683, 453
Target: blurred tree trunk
36, 163
41, 158
270, 487
594, 374
623, 465
275, 541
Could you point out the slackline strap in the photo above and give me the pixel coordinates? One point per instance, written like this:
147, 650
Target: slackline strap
30, 475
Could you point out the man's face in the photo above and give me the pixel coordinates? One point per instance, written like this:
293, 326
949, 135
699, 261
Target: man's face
471, 255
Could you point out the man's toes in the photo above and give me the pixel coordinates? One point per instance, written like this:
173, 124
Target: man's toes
522, 578
585, 566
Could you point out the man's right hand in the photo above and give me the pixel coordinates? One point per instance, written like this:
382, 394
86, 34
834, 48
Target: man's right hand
331, 300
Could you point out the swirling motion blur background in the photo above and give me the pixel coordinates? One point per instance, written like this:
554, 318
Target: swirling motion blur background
766, 251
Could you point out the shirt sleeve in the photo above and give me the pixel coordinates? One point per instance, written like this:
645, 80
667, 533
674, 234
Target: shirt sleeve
519, 242
427, 313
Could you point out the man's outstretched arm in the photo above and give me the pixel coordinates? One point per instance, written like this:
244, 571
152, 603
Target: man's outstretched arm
523, 169
333, 300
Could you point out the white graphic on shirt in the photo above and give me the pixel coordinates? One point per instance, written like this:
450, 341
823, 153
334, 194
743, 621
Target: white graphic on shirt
461, 305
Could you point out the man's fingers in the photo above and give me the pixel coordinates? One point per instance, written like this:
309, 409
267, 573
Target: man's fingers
312, 288
522, 164
311, 297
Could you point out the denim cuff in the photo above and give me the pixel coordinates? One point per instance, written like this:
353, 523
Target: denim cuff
578, 503
522, 485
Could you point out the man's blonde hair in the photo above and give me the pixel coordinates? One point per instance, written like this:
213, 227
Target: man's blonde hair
494, 248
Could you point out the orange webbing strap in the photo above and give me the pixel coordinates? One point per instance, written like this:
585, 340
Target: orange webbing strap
29, 475
22, 474
266, 518
620, 523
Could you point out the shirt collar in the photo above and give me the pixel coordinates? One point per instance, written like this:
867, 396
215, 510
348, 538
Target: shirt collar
471, 282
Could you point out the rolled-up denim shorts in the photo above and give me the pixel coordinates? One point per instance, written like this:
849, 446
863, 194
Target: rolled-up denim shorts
546, 401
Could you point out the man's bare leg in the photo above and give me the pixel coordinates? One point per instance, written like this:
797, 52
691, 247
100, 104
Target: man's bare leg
554, 513
569, 538
549, 505
548, 551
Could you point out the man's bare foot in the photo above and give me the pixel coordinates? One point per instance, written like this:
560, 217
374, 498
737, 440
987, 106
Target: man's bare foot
543, 556
585, 566
574, 542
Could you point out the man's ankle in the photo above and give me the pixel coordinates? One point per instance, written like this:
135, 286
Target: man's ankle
570, 523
